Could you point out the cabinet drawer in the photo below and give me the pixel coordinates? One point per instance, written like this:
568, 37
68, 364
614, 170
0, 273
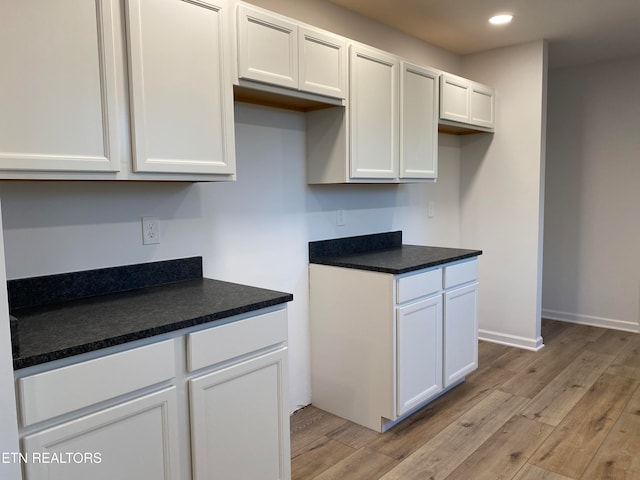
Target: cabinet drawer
63, 390
418, 285
231, 340
460, 273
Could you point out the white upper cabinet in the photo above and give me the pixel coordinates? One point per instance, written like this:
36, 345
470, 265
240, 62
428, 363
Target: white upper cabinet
267, 47
276, 50
323, 62
58, 86
465, 102
418, 122
181, 92
65, 111
374, 114
389, 131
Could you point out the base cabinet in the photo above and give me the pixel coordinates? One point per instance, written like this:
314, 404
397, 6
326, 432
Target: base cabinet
210, 403
131, 441
384, 345
239, 421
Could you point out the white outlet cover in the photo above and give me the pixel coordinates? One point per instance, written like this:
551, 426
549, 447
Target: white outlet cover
150, 230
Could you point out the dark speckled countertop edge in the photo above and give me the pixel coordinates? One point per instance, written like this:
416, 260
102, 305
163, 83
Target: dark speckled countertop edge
338, 262
31, 360
384, 253
132, 302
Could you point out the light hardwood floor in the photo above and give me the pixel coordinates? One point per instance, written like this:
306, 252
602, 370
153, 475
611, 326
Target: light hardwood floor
569, 411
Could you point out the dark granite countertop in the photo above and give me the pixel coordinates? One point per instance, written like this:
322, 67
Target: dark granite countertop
71, 327
384, 253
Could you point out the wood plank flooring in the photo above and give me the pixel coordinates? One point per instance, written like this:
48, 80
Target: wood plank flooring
568, 412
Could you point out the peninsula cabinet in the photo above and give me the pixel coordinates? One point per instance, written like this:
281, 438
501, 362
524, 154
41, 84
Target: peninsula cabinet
388, 133
384, 345
466, 103
65, 110
279, 51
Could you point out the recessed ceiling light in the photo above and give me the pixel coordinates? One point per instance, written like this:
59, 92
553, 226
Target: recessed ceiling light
501, 19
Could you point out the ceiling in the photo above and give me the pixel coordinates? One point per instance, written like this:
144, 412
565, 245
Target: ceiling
578, 31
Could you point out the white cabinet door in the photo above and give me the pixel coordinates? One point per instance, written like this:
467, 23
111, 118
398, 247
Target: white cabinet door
460, 333
454, 100
323, 63
240, 421
267, 47
58, 86
418, 122
418, 352
482, 106
180, 83
132, 441
374, 114
468, 102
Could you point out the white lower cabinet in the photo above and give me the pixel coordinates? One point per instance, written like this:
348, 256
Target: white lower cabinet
134, 440
209, 403
419, 352
239, 421
384, 345
460, 328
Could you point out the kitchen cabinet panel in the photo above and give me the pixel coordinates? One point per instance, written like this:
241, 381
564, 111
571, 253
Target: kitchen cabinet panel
466, 103
374, 114
156, 418
460, 333
382, 345
58, 86
419, 122
419, 352
130, 441
323, 62
41, 397
240, 422
180, 85
278, 51
267, 47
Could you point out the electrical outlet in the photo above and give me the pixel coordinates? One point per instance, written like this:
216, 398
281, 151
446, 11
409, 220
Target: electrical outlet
150, 230
431, 209
341, 219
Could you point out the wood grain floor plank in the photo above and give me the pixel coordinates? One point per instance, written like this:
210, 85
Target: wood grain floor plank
597, 438
572, 445
505, 452
489, 352
444, 453
612, 342
562, 393
408, 436
318, 456
531, 472
551, 360
354, 435
619, 456
364, 464
308, 424
627, 364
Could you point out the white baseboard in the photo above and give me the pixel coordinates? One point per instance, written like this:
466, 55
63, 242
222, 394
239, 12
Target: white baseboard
592, 321
533, 344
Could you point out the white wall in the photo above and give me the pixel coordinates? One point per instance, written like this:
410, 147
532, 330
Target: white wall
9, 468
592, 226
502, 188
